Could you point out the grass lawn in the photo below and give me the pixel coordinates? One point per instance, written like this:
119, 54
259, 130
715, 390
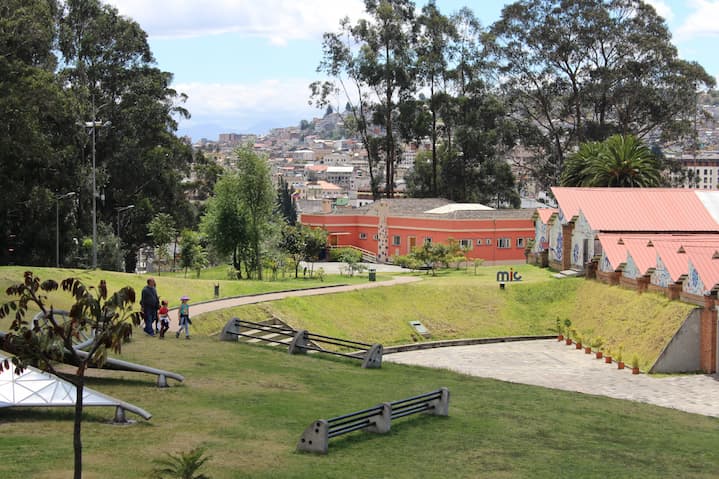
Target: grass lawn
464, 305
248, 405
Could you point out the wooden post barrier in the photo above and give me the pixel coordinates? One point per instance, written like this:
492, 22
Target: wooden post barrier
301, 341
377, 419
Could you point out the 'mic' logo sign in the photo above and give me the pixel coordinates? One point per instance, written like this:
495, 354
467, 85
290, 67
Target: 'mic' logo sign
511, 275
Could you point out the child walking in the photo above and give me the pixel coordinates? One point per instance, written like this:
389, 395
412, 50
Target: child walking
164, 313
184, 314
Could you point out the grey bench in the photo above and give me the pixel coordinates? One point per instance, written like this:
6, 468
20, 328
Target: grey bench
377, 419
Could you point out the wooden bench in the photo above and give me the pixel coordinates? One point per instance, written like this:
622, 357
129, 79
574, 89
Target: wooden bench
377, 419
301, 341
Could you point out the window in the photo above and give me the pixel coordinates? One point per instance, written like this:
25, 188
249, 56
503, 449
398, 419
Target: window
504, 243
375, 237
363, 236
479, 242
466, 244
396, 240
488, 242
520, 242
428, 240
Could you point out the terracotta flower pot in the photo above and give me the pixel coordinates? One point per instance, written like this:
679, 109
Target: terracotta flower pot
635, 370
560, 337
608, 359
620, 364
578, 346
587, 350
568, 341
599, 355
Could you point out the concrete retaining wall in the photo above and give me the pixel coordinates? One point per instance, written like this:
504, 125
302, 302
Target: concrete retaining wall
682, 354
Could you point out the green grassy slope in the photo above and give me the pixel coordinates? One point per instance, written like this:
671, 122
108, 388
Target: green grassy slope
248, 405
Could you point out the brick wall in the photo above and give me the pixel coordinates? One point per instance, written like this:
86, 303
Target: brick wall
708, 336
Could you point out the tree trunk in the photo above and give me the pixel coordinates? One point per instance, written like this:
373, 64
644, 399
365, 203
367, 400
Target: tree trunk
79, 382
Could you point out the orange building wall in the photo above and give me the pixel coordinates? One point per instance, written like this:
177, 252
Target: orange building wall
348, 228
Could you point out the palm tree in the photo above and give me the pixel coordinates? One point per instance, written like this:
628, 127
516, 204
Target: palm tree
181, 466
618, 161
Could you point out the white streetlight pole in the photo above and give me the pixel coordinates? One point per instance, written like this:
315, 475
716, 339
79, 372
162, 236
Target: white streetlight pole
57, 225
94, 125
119, 210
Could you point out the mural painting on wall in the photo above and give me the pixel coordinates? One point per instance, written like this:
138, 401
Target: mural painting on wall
559, 246
661, 276
540, 234
694, 284
576, 254
606, 266
630, 270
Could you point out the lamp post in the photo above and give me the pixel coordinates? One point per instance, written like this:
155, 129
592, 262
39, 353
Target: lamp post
57, 225
95, 124
119, 210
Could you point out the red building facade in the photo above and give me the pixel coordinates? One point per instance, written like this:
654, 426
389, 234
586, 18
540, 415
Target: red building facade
391, 228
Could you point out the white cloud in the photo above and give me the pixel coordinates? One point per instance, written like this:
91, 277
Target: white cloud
246, 104
279, 21
662, 9
701, 21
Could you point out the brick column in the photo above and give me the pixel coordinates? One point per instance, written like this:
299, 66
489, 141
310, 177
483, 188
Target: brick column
708, 336
674, 291
567, 231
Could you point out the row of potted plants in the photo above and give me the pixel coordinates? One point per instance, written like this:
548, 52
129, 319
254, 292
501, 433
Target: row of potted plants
565, 332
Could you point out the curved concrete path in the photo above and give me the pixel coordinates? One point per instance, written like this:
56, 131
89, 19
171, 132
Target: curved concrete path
206, 307
552, 364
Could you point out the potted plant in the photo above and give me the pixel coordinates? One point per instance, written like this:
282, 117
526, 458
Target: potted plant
598, 341
559, 330
635, 364
588, 346
620, 354
568, 331
578, 342
608, 357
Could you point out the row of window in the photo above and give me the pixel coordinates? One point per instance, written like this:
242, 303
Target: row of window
464, 243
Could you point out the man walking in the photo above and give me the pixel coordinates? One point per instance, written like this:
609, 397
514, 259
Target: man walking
150, 303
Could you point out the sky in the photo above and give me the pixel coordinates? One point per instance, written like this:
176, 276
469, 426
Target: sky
246, 65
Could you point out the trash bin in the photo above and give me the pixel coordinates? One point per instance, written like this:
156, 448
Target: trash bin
372, 275
217, 290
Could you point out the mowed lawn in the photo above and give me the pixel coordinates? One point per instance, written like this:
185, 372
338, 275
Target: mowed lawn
248, 405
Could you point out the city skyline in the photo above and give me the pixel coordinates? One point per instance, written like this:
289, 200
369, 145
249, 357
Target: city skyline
246, 66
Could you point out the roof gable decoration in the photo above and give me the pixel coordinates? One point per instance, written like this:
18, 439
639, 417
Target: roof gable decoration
694, 284
661, 276
605, 266
630, 269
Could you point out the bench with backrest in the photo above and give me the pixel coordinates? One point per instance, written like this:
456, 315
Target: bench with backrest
301, 341
376, 419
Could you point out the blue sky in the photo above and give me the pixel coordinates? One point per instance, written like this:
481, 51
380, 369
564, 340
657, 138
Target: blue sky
246, 65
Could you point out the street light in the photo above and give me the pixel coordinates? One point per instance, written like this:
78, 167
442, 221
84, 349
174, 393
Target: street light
57, 225
94, 125
119, 210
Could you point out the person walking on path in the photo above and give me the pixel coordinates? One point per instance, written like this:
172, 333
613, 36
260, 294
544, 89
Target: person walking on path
164, 319
184, 314
150, 303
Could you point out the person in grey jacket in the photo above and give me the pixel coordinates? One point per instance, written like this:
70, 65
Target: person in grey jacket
150, 303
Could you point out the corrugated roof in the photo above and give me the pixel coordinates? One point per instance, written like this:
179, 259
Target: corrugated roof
702, 258
639, 209
546, 213
614, 249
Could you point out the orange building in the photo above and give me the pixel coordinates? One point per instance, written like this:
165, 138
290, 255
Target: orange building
392, 227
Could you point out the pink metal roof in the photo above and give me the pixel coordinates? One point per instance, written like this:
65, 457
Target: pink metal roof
546, 213
637, 209
615, 252
707, 267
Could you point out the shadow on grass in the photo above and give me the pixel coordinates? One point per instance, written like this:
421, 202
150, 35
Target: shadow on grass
91, 414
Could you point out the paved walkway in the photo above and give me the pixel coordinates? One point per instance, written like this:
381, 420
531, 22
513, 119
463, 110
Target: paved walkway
200, 308
552, 364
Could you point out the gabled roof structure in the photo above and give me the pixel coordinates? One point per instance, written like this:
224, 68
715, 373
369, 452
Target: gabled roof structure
657, 210
35, 388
